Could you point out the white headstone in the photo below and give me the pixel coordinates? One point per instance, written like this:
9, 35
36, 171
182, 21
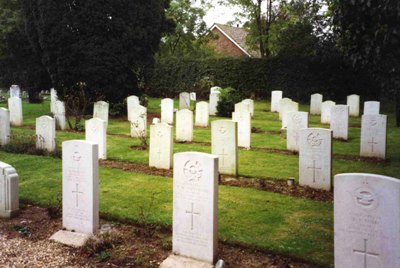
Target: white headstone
195, 206
53, 99
373, 136
276, 97
296, 121
9, 191
46, 133
214, 99
224, 144
202, 114
366, 221
184, 125
316, 102
326, 111
193, 96
59, 114
96, 131
15, 91
282, 104
15, 108
184, 101
215, 89
315, 158
100, 110
372, 107
4, 126
288, 107
167, 111
242, 107
244, 128
340, 121
353, 101
156, 120
80, 168
161, 146
139, 122
132, 102
250, 103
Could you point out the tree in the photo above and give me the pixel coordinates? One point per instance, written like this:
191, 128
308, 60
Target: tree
369, 34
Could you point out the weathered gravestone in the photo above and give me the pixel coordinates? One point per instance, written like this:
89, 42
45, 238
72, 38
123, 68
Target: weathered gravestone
202, 114
9, 191
80, 188
184, 101
193, 96
4, 126
161, 146
276, 97
15, 108
100, 110
195, 211
15, 91
373, 136
316, 102
96, 131
53, 99
46, 133
353, 101
282, 105
244, 128
167, 111
372, 107
59, 114
224, 144
296, 122
250, 103
326, 111
214, 98
340, 122
139, 122
184, 125
315, 158
366, 221
132, 103
287, 108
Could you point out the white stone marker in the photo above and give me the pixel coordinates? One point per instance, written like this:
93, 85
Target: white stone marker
326, 111
60, 114
139, 122
80, 184
250, 103
46, 133
315, 158
184, 101
366, 221
316, 102
195, 209
96, 131
202, 114
100, 110
276, 97
53, 99
184, 125
282, 104
132, 103
224, 144
244, 128
215, 89
242, 107
340, 122
373, 136
214, 99
4, 126
353, 101
15, 108
193, 96
372, 107
9, 191
15, 91
156, 120
296, 121
167, 111
161, 146
288, 107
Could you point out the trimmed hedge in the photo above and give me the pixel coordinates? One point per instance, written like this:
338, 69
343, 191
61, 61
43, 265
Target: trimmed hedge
298, 78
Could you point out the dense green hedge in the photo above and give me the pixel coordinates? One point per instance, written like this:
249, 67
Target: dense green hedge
296, 77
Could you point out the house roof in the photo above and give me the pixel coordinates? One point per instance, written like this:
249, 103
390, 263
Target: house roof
238, 37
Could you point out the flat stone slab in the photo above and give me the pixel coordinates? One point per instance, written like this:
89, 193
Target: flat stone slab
174, 261
71, 239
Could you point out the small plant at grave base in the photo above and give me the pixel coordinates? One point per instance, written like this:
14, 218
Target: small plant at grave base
100, 245
103, 256
55, 210
141, 134
144, 100
22, 229
166, 243
227, 100
148, 229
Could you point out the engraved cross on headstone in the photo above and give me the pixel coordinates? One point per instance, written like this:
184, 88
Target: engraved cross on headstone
314, 168
192, 214
372, 144
365, 253
159, 154
76, 192
223, 156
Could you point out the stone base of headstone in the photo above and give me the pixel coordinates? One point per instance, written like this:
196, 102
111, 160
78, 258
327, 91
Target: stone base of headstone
9, 214
71, 239
174, 261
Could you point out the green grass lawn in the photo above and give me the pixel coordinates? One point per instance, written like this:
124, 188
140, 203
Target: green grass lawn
279, 223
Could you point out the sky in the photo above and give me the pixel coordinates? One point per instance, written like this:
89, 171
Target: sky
220, 14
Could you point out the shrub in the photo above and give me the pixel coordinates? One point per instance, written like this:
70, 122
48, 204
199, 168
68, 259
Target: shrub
227, 100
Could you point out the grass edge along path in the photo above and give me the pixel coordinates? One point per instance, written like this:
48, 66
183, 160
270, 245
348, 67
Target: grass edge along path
277, 223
